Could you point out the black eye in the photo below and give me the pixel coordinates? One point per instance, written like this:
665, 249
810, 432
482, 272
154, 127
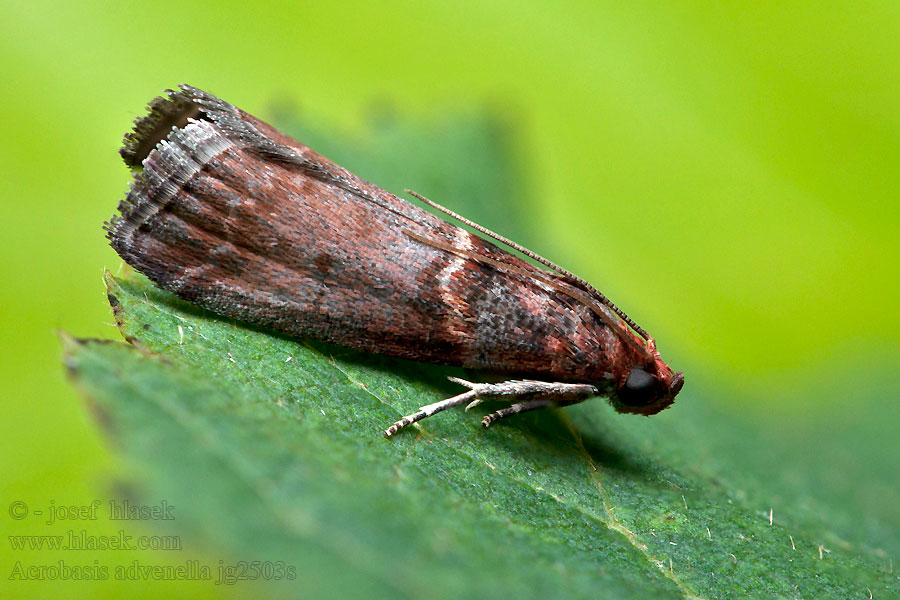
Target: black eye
641, 388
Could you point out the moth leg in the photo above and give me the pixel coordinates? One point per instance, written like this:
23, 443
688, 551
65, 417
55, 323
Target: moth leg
521, 407
556, 393
427, 411
540, 393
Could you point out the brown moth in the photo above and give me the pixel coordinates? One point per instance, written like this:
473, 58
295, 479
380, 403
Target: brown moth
231, 214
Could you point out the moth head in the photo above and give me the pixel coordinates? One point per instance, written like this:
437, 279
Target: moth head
647, 389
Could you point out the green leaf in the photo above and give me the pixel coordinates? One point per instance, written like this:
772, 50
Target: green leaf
271, 449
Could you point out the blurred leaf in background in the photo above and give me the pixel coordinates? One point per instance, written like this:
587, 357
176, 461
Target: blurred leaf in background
282, 461
726, 173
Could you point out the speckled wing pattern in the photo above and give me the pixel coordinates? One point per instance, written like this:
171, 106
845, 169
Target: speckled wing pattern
235, 216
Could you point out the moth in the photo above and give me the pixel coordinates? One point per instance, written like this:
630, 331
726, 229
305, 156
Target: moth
227, 212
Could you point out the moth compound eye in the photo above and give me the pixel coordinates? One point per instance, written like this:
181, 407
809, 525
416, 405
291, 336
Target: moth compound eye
641, 388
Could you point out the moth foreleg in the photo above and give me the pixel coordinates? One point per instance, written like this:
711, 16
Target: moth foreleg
531, 395
521, 407
427, 411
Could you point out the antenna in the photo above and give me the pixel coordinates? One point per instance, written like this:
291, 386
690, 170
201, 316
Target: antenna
594, 292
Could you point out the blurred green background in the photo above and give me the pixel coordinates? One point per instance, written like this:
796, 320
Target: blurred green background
726, 173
